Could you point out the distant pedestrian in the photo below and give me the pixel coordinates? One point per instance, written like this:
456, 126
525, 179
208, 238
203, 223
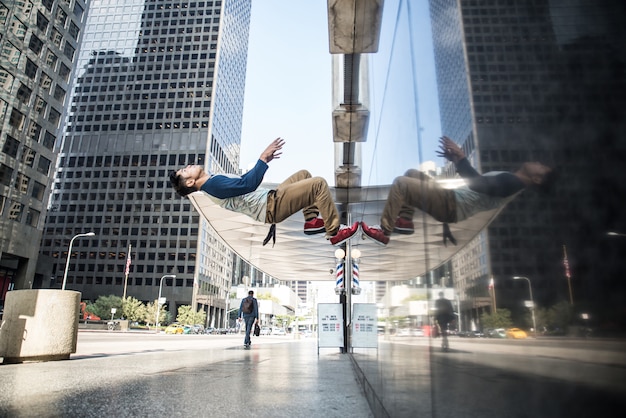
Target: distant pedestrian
249, 313
444, 314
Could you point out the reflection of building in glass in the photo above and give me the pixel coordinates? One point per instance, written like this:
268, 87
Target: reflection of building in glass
38, 41
160, 86
538, 81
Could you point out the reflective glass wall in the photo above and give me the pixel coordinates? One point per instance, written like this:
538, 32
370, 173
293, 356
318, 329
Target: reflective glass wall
537, 295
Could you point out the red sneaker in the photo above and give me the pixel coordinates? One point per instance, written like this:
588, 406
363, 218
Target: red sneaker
314, 226
375, 233
344, 234
404, 226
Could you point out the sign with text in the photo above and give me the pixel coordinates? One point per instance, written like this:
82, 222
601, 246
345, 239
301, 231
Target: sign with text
329, 325
364, 329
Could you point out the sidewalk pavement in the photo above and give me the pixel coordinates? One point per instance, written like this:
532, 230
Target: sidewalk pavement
145, 374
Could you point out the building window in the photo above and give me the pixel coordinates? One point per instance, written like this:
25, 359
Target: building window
23, 94
44, 165
42, 22
38, 191
73, 30
16, 120
49, 140
10, 146
64, 72
35, 44
6, 173
69, 50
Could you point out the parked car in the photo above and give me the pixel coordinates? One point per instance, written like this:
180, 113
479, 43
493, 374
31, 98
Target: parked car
175, 329
307, 333
471, 334
197, 329
209, 330
495, 333
404, 332
266, 331
515, 333
417, 332
279, 331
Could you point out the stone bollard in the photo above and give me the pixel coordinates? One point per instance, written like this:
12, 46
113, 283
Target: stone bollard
39, 325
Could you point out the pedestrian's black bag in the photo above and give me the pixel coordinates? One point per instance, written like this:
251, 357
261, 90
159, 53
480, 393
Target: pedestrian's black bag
257, 330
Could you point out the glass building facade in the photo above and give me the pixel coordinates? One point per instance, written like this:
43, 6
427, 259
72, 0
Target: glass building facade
538, 81
159, 85
39, 43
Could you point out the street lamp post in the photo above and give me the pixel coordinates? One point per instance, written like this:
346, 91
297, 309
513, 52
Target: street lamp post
532, 311
156, 321
69, 255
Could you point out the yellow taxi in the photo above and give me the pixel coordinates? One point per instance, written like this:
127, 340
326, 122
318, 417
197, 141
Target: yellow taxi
175, 329
515, 333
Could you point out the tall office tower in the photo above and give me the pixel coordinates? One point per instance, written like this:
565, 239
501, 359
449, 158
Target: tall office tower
540, 80
160, 85
38, 40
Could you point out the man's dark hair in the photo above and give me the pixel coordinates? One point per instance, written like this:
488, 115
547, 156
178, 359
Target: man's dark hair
548, 183
250, 293
178, 185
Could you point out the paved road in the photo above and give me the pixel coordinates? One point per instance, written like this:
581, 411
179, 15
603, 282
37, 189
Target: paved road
126, 374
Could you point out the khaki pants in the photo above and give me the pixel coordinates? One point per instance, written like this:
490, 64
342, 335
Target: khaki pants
303, 192
417, 190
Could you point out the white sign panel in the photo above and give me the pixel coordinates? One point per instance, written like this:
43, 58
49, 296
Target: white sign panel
364, 325
329, 325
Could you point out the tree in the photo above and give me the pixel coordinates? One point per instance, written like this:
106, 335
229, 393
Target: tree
187, 316
133, 309
151, 311
560, 315
500, 319
103, 305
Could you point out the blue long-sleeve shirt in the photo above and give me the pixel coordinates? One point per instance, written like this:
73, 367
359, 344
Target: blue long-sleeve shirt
224, 186
240, 194
483, 192
495, 184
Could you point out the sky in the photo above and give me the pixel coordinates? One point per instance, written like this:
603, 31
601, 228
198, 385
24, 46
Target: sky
288, 91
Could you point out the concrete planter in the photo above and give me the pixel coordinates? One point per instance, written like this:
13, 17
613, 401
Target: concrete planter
39, 325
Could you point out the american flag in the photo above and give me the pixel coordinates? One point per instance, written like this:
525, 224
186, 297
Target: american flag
128, 262
566, 263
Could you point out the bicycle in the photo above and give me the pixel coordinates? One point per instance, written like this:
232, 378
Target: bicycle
113, 325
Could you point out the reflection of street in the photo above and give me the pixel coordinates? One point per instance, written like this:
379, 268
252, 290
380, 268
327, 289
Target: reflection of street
494, 378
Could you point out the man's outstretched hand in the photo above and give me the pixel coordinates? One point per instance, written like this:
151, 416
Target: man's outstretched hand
450, 150
272, 151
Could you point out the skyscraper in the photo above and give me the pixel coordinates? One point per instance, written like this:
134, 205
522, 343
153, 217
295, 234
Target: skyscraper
539, 80
39, 43
160, 85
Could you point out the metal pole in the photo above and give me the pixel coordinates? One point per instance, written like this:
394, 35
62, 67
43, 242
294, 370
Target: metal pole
156, 321
69, 255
